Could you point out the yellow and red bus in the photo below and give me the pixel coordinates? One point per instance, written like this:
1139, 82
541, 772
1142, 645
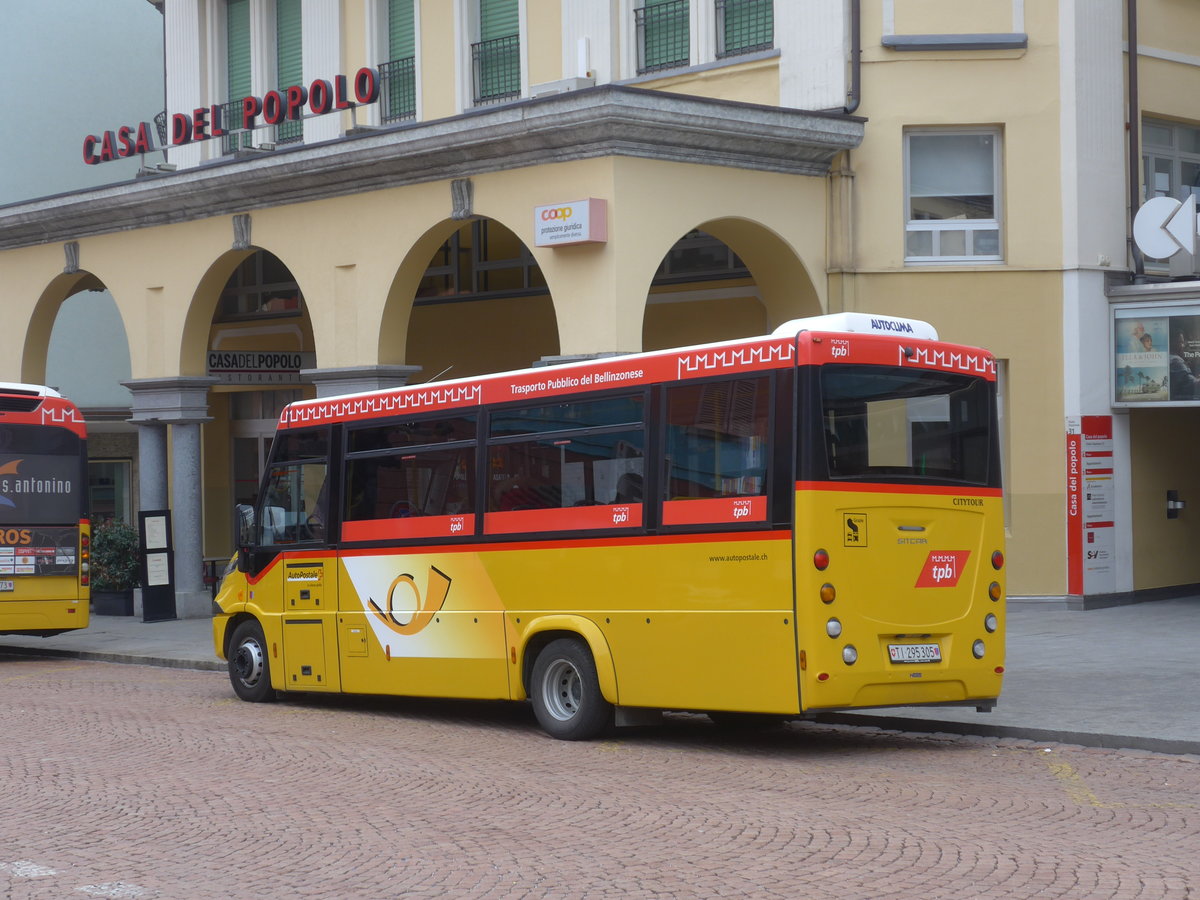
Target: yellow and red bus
44, 532
805, 522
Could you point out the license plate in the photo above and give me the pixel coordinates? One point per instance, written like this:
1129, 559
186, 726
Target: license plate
7, 586
915, 653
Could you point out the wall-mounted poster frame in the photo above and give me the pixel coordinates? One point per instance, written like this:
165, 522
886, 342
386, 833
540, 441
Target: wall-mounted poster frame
1156, 355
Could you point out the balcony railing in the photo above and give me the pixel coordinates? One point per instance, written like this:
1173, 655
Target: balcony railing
663, 36
744, 26
496, 69
236, 138
397, 90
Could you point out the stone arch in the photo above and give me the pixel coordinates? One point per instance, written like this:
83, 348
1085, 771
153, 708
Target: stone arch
198, 328
777, 288
431, 322
36, 348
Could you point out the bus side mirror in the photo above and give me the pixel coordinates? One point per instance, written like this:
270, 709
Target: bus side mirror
243, 526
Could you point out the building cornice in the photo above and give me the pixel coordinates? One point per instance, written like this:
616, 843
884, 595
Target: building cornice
610, 120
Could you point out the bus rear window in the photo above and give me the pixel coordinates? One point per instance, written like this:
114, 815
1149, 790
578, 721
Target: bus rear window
41, 476
886, 424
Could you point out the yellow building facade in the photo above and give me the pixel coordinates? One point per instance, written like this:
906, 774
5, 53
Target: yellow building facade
512, 182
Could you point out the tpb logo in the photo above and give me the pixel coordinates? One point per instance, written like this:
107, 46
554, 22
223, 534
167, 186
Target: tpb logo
742, 509
943, 568
620, 515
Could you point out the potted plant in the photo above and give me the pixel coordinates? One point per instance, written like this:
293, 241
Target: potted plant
115, 568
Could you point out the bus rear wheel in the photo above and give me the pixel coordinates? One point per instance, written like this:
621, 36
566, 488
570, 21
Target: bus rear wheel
249, 668
566, 692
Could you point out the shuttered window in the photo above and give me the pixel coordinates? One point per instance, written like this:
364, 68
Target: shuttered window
401, 39
496, 58
397, 75
237, 39
744, 26
289, 59
664, 34
497, 19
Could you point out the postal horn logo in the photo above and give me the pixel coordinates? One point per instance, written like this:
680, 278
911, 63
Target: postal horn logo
9, 468
407, 610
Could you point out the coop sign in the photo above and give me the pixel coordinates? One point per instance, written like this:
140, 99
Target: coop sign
572, 222
320, 97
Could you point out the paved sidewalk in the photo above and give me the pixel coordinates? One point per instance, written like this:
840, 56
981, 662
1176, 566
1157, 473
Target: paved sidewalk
1128, 676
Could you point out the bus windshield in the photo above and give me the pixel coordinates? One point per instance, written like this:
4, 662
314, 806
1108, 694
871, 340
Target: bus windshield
40, 476
890, 424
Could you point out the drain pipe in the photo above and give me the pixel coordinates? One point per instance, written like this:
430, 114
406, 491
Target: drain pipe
1134, 128
855, 95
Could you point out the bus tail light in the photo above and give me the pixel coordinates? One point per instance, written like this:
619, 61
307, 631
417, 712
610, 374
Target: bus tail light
994, 591
85, 559
997, 560
828, 593
821, 560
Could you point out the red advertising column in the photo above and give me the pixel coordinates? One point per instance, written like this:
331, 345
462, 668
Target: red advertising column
1091, 521
1074, 506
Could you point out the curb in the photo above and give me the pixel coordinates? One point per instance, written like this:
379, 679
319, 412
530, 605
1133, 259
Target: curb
1040, 735
883, 723
165, 662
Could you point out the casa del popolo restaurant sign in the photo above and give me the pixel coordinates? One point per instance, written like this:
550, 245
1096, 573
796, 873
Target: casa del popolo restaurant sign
273, 108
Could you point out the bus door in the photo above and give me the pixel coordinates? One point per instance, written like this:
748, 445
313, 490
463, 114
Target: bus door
309, 612
291, 523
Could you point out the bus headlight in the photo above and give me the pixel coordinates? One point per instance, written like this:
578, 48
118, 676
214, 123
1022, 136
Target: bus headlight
978, 649
833, 628
849, 655
990, 622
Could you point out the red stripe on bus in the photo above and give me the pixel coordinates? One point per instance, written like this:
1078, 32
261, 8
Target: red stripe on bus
509, 546
714, 510
860, 488
580, 543
401, 529
570, 518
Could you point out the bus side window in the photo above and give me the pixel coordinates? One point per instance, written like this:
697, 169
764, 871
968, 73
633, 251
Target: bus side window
433, 482
717, 439
289, 511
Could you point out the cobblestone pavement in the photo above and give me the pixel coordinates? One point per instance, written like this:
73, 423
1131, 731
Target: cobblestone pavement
135, 782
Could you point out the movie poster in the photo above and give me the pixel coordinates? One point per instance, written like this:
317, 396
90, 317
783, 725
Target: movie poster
1156, 357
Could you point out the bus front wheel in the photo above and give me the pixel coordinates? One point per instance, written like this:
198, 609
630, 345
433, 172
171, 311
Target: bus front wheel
566, 693
249, 669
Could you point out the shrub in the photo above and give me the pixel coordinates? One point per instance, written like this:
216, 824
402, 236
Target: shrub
115, 562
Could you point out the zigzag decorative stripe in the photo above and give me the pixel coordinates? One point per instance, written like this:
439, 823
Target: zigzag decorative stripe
382, 404
60, 415
974, 363
734, 358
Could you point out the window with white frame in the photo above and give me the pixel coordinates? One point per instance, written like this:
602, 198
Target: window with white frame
397, 74
952, 197
663, 35
496, 56
247, 74
1170, 159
